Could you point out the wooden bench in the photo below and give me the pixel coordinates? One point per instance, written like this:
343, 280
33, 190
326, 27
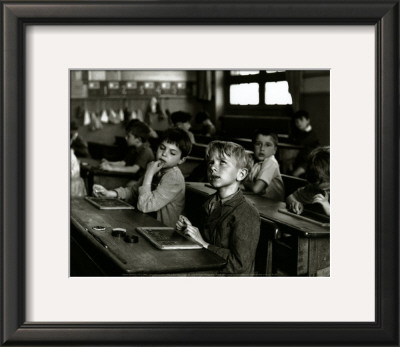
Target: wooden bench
292, 183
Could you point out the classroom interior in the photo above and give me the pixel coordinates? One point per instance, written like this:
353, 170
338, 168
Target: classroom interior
237, 102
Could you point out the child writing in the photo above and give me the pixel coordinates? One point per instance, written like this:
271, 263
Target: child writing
155, 117
168, 196
232, 225
317, 191
139, 153
264, 177
207, 128
77, 184
78, 144
181, 120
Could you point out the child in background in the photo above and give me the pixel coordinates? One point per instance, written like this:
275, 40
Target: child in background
181, 120
207, 128
264, 177
155, 117
77, 187
232, 225
317, 191
78, 144
139, 151
168, 196
303, 135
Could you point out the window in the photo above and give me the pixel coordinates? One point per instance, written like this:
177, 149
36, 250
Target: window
277, 93
244, 94
255, 91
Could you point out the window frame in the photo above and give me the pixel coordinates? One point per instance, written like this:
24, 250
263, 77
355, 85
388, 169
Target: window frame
261, 109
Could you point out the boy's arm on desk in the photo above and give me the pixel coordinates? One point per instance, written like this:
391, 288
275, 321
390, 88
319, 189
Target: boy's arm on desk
93, 166
125, 169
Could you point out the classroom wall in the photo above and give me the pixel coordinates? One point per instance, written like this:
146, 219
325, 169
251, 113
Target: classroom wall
82, 98
314, 97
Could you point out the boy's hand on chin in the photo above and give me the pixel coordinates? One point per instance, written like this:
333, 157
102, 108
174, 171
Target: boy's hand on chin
155, 166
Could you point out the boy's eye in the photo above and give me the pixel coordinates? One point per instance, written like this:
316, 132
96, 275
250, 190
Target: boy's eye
173, 153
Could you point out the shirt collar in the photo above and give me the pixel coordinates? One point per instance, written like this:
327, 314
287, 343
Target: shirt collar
231, 199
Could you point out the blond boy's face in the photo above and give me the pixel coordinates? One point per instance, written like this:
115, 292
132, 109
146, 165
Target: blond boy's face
169, 154
264, 147
223, 171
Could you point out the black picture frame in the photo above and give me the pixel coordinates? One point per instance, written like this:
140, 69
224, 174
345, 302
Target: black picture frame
17, 15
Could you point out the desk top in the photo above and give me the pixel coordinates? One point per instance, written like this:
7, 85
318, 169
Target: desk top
269, 210
136, 258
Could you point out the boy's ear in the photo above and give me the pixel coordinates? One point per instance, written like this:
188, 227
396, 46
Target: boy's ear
241, 175
182, 160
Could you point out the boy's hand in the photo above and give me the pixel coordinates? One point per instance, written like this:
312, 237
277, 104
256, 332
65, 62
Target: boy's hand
184, 226
182, 223
194, 233
296, 206
105, 166
101, 192
323, 201
154, 166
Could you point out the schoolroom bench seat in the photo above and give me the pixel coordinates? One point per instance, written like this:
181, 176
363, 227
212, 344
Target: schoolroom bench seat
292, 183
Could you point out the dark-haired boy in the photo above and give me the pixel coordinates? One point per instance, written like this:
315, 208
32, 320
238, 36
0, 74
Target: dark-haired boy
139, 150
264, 177
162, 188
181, 120
304, 135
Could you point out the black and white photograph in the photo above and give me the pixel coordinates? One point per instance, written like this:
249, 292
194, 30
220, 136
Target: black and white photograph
169, 170
200, 172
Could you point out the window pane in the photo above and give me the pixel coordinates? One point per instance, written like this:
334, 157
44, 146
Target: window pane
277, 93
244, 73
244, 94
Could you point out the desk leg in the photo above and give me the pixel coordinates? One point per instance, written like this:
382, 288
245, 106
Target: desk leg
313, 256
319, 257
302, 256
269, 258
90, 181
87, 176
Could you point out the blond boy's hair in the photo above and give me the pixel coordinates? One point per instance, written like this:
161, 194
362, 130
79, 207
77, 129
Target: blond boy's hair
231, 150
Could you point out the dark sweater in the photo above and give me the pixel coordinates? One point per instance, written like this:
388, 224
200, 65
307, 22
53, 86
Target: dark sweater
233, 230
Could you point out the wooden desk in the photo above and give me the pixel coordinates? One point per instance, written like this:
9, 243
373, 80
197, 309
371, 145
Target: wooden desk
300, 248
122, 258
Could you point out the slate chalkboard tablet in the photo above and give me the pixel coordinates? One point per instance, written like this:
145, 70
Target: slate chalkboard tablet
310, 216
167, 238
109, 203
